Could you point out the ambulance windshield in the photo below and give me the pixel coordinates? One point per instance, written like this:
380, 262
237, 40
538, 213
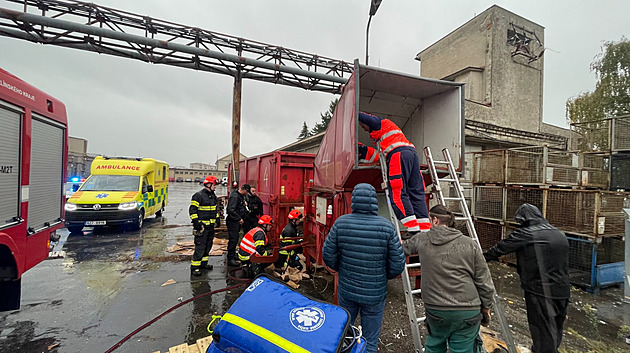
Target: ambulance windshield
111, 183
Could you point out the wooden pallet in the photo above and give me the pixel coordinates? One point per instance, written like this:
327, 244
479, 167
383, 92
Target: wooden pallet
199, 347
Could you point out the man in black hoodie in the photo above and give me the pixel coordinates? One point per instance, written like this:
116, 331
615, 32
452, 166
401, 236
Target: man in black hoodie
542, 258
236, 213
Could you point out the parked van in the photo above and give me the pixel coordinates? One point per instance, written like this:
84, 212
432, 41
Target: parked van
120, 191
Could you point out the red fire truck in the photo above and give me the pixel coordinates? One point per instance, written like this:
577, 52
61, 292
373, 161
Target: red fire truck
33, 158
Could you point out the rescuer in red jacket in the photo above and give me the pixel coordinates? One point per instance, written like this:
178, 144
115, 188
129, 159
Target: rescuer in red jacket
403, 171
255, 242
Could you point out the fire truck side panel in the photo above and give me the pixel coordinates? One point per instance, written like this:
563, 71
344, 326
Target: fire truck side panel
33, 159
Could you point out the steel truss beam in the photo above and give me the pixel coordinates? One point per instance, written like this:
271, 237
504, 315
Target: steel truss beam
100, 29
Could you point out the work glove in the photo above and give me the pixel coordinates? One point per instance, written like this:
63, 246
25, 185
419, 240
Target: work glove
362, 150
197, 225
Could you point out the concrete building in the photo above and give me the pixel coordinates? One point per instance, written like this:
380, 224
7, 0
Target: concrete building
203, 166
224, 162
499, 55
179, 174
79, 161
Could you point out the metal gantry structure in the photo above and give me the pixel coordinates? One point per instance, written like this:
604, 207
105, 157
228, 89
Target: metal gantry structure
91, 27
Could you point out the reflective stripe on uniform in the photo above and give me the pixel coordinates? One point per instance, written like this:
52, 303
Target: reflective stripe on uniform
195, 263
194, 203
194, 216
388, 134
207, 208
248, 246
259, 243
212, 221
263, 333
395, 145
204, 259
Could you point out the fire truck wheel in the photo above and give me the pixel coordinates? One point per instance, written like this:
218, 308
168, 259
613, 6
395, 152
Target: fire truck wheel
160, 212
139, 221
75, 229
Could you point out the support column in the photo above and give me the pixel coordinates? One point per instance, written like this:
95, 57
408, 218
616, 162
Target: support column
236, 126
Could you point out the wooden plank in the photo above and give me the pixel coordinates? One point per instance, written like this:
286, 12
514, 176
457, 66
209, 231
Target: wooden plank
203, 343
194, 349
182, 348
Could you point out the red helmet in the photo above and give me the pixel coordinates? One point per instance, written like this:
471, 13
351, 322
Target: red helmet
265, 219
295, 214
211, 179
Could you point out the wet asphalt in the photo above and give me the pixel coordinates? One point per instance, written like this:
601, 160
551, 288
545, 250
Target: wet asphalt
109, 284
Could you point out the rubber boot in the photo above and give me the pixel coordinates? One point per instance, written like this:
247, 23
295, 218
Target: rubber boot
195, 271
206, 266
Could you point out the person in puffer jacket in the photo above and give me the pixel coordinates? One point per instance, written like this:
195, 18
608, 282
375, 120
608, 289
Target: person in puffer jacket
365, 250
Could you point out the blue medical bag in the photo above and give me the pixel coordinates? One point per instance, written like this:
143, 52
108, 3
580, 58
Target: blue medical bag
272, 317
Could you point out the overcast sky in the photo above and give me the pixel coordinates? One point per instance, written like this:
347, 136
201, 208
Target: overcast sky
127, 107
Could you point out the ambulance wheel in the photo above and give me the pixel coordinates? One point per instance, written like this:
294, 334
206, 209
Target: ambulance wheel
160, 212
75, 229
139, 221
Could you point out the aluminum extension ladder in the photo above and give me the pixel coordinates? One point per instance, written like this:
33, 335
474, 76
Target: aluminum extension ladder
414, 320
463, 207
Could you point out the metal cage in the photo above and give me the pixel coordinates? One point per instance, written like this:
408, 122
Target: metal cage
515, 197
489, 167
488, 202
525, 166
593, 264
488, 233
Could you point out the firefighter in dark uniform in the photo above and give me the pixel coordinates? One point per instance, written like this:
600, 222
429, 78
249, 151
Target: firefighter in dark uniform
204, 215
289, 257
255, 242
255, 207
236, 213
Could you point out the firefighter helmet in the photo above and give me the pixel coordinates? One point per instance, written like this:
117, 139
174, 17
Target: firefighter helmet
211, 179
265, 219
295, 214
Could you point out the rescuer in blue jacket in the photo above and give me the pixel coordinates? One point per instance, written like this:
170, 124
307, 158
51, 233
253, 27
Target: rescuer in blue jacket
403, 171
365, 250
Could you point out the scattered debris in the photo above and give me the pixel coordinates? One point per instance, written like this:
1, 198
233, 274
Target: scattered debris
53, 346
491, 341
170, 281
219, 246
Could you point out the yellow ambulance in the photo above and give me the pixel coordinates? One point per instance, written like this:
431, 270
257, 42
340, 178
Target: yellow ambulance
120, 191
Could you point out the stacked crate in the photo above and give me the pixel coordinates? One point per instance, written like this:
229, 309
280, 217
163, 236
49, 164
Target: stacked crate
594, 170
488, 196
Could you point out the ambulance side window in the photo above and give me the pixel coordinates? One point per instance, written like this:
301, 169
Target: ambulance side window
163, 173
145, 185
